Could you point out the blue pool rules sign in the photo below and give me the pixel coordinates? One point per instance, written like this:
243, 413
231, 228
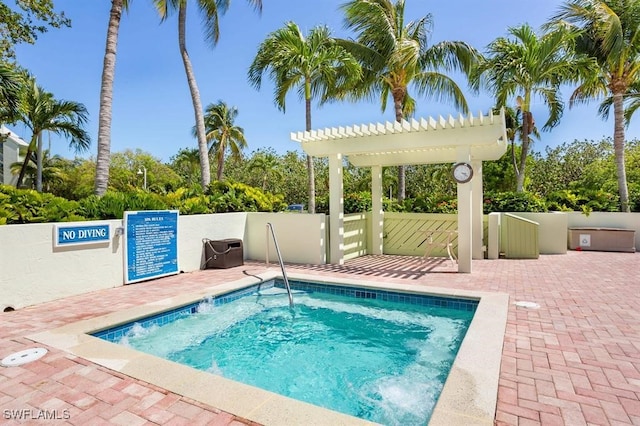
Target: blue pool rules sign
150, 244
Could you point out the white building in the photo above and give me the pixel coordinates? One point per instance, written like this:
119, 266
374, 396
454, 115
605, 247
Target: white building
12, 149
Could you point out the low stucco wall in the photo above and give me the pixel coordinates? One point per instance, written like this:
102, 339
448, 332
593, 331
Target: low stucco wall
553, 236
193, 229
33, 271
302, 238
552, 231
607, 220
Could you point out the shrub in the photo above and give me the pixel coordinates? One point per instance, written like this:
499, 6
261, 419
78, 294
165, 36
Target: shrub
234, 197
357, 202
29, 206
112, 205
513, 202
585, 200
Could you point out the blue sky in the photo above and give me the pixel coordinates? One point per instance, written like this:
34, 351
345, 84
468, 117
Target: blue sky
152, 108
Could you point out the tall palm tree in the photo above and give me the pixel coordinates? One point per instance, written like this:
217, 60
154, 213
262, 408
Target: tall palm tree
315, 64
103, 157
41, 112
396, 56
223, 134
609, 31
526, 67
210, 12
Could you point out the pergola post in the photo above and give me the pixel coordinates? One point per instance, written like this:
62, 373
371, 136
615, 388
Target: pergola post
377, 220
465, 214
477, 203
336, 210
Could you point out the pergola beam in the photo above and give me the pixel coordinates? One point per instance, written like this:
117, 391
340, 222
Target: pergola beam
331, 141
426, 156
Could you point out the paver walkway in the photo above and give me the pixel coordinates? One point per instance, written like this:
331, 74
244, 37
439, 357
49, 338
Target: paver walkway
573, 361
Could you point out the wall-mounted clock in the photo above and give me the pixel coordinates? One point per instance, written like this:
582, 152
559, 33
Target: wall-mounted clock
462, 172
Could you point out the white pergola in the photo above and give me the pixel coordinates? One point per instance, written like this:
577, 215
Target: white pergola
426, 141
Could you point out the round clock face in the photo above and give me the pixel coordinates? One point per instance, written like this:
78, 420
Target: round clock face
462, 172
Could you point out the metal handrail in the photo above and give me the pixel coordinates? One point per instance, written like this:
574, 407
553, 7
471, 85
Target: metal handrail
284, 273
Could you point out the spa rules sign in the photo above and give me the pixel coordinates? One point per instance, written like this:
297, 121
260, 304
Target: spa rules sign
150, 244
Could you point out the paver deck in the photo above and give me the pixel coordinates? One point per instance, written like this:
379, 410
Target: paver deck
573, 361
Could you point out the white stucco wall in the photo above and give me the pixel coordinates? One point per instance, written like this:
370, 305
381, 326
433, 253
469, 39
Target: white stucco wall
606, 220
193, 228
552, 233
301, 237
32, 271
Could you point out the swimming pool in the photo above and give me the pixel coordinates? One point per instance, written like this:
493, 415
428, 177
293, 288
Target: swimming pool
469, 394
379, 355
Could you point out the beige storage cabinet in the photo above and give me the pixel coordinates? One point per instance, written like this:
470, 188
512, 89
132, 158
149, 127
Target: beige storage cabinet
602, 239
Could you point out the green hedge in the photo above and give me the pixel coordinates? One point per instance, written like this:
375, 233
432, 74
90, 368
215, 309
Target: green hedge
29, 206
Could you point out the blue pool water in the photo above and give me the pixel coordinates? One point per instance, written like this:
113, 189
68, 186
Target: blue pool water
378, 355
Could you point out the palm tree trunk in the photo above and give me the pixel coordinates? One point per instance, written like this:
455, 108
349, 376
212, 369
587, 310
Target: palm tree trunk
527, 124
103, 158
205, 178
27, 158
618, 147
398, 97
220, 161
514, 159
311, 208
39, 164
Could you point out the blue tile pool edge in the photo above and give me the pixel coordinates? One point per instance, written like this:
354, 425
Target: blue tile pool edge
117, 332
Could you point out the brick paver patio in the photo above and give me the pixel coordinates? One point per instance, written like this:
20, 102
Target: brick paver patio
573, 361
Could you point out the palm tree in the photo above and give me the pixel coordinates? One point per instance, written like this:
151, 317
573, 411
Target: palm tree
223, 134
526, 67
52, 171
608, 31
186, 163
268, 166
11, 82
396, 56
106, 97
315, 64
514, 125
41, 112
210, 10
631, 103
